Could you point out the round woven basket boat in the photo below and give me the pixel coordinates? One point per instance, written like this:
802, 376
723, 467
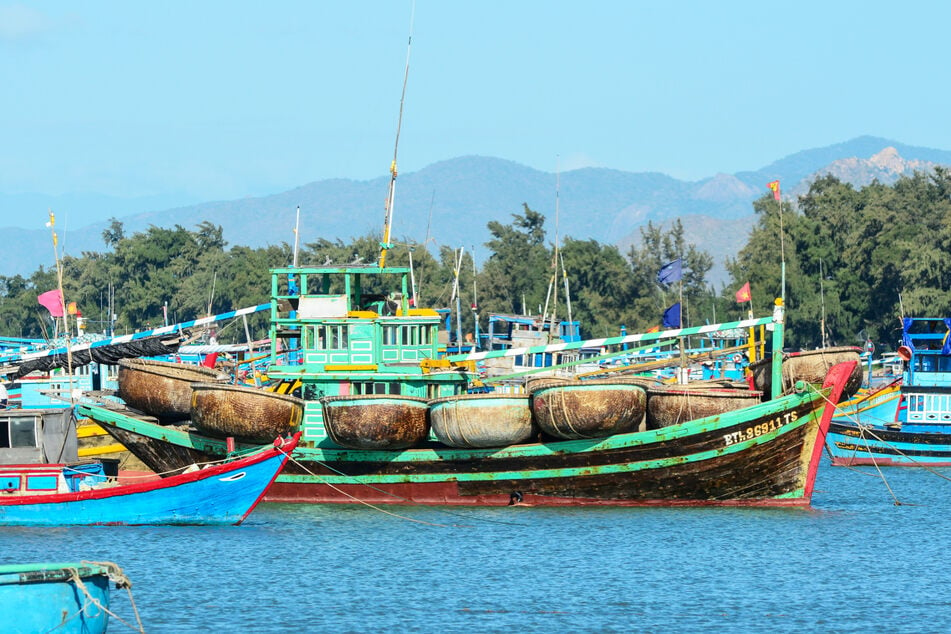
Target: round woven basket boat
248, 414
163, 389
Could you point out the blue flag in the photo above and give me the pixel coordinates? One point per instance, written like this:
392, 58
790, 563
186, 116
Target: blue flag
672, 316
670, 272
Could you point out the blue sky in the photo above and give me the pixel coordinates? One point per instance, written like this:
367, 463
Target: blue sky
218, 100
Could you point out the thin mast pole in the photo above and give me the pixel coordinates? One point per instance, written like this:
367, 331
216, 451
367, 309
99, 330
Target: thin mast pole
390, 198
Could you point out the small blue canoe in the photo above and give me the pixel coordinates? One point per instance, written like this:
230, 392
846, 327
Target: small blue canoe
71, 597
220, 493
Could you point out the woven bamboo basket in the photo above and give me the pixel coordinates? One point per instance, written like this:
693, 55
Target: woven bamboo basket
163, 389
248, 414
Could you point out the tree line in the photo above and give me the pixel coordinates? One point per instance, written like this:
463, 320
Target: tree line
855, 260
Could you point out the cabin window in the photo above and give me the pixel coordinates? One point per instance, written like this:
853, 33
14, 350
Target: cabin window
330, 337
374, 387
18, 432
389, 335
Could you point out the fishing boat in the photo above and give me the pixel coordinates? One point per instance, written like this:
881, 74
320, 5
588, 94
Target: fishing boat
81, 494
478, 421
809, 366
58, 597
249, 414
764, 454
161, 388
905, 422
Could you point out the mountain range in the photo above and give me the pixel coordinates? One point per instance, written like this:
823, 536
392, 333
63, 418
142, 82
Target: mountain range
451, 202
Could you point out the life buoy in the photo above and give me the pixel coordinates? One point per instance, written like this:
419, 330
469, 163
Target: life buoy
737, 358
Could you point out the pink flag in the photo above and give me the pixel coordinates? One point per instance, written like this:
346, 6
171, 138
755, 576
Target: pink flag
53, 302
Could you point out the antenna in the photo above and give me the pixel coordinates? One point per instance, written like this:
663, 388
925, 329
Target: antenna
296, 236
388, 217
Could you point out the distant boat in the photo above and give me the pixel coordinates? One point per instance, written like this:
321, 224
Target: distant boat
58, 597
62, 494
906, 422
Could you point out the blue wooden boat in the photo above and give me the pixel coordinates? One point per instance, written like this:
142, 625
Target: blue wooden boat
61, 494
906, 422
58, 597
765, 454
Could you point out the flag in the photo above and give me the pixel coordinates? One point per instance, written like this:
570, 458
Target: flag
52, 301
71, 308
672, 316
743, 295
654, 329
670, 272
774, 186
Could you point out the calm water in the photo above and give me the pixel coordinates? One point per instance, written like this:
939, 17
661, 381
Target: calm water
854, 563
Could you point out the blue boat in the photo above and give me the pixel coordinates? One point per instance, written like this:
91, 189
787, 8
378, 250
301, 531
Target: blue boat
58, 597
906, 422
59, 494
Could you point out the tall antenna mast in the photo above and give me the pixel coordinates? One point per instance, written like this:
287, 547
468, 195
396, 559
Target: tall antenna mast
388, 218
296, 236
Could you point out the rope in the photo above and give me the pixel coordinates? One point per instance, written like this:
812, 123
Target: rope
867, 447
115, 575
384, 492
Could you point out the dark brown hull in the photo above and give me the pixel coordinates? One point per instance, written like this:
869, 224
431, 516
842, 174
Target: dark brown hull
747, 477
162, 389
248, 414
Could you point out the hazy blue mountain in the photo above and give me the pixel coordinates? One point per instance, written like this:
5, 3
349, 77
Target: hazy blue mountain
450, 202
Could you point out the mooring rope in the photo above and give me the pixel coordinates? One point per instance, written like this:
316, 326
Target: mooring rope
115, 575
881, 475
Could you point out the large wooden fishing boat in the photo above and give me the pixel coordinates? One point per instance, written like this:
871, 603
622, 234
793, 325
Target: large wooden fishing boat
906, 422
764, 454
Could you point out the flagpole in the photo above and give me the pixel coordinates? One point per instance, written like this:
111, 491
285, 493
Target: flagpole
782, 242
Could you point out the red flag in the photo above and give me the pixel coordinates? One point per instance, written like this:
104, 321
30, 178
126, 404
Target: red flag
774, 186
52, 301
743, 295
654, 329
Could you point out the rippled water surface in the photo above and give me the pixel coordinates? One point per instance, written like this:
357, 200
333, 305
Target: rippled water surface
856, 562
